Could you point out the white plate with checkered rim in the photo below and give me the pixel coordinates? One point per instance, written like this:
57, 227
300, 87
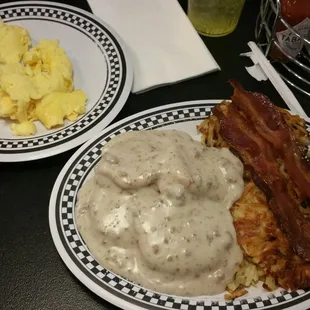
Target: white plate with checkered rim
101, 68
111, 287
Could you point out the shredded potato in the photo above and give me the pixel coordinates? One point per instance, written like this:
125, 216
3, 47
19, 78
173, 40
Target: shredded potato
264, 260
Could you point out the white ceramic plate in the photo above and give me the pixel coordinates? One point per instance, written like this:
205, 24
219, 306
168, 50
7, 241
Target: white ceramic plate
118, 291
101, 69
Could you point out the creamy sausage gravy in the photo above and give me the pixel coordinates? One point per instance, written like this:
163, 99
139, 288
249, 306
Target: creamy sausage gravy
157, 212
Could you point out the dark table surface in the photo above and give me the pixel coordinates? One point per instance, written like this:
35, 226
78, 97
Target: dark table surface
32, 275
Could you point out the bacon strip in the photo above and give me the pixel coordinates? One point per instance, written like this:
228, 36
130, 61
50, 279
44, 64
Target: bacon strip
270, 124
258, 153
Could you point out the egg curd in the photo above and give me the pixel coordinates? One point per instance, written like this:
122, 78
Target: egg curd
35, 83
14, 42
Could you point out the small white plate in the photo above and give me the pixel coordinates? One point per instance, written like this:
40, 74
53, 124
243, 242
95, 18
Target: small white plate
111, 287
101, 69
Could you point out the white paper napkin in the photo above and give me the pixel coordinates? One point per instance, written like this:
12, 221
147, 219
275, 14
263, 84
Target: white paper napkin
164, 46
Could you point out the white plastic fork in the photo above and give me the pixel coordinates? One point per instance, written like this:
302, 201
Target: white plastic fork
287, 95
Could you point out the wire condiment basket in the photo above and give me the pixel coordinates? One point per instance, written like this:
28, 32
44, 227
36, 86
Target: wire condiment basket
294, 71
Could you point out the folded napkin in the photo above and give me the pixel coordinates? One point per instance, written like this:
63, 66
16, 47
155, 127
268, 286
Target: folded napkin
163, 45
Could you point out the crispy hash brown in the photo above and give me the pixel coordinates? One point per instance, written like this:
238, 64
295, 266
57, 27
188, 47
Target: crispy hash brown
268, 255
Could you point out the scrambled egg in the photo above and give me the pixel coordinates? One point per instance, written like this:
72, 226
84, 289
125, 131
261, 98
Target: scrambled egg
14, 42
49, 67
54, 107
35, 83
24, 129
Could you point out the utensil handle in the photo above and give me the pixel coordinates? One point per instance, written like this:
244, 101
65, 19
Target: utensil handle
284, 91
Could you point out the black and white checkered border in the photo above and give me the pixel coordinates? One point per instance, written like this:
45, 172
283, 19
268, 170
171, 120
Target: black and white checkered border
67, 204
114, 65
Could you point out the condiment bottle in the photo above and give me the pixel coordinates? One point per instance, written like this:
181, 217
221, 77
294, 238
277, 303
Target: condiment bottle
296, 13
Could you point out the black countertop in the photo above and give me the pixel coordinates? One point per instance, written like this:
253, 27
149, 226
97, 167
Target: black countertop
32, 274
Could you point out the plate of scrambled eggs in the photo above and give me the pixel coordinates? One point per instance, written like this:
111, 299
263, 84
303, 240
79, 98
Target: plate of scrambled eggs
64, 76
